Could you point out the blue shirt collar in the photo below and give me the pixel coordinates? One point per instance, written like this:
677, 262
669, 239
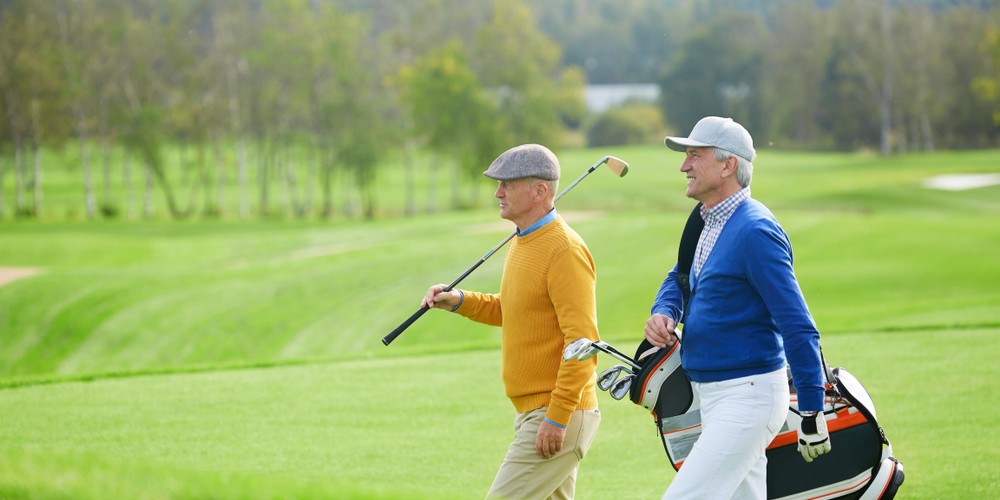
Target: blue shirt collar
549, 217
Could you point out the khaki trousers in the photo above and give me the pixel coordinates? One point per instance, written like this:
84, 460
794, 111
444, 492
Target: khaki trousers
525, 475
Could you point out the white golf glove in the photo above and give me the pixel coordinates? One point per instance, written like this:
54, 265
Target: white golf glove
814, 440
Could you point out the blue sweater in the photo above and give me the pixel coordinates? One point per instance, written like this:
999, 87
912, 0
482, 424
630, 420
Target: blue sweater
747, 312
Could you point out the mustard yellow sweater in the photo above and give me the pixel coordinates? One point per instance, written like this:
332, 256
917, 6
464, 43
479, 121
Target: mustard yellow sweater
546, 299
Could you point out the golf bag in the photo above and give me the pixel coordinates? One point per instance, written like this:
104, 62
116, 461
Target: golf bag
859, 466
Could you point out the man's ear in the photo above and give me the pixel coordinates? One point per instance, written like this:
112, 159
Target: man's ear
732, 163
541, 189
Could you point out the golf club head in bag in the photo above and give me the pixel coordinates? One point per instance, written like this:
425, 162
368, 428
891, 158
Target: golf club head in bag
621, 387
608, 377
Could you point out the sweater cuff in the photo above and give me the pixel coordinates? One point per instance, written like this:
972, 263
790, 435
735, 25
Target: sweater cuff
461, 300
553, 422
558, 416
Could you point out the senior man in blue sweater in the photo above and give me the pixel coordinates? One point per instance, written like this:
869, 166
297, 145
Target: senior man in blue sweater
744, 320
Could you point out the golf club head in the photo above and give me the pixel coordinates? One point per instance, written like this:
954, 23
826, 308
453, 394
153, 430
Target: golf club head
588, 353
620, 388
608, 377
576, 347
618, 166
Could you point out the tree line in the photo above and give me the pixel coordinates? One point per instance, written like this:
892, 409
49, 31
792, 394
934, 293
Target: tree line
264, 107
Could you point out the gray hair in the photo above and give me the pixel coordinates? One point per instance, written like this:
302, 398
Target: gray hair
553, 184
744, 169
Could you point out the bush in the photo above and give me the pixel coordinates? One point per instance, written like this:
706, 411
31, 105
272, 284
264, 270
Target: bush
633, 124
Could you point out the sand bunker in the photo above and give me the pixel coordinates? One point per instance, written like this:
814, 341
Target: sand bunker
961, 182
9, 274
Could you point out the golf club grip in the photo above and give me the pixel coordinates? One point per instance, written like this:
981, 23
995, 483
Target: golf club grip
404, 325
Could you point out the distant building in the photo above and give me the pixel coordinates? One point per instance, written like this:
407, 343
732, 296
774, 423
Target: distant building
602, 97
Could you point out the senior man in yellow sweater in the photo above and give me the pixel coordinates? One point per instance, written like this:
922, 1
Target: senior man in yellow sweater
546, 299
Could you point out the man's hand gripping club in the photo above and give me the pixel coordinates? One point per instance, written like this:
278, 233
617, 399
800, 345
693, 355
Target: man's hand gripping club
436, 297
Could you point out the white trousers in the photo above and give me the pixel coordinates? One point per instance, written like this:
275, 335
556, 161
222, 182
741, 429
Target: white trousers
739, 418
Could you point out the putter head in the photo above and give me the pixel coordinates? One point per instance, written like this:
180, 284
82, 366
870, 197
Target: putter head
608, 377
620, 388
576, 347
617, 165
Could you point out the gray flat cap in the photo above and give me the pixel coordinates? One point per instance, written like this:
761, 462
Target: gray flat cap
713, 131
526, 160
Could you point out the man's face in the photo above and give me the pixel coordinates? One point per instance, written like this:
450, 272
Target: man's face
515, 197
704, 174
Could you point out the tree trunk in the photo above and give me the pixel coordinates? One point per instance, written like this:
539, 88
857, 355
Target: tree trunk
147, 192
262, 177
3, 199
127, 180
927, 135
431, 185
456, 200
36, 159
241, 177
19, 180
326, 184
220, 175
885, 99
36, 179
88, 183
410, 204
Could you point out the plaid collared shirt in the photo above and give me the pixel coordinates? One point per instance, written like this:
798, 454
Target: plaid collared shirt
715, 220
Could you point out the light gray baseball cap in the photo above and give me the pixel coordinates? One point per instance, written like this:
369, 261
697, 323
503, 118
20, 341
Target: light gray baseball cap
714, 131
526, 160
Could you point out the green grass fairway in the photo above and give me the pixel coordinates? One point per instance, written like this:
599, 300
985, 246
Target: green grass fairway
436, 426
238, 359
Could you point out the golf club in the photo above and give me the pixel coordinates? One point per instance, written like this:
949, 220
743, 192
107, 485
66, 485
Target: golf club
574, 348
582, 349
620, 388
609, 376
618, 166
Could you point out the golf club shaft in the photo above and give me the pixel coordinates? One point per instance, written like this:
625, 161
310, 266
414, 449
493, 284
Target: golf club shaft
420, 312
615, 353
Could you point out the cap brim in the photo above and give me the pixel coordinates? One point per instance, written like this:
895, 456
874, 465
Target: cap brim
499, 177
682, 143
509, 177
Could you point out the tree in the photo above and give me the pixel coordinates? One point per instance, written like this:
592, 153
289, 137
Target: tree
718, 71
987, 85
520, 65
792, 90
456, 115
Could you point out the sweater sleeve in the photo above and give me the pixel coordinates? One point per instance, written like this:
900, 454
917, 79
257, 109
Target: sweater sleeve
769, 269
482, 308
572, 280
669, 300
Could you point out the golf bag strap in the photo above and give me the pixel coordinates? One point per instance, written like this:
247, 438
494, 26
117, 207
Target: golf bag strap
685, 252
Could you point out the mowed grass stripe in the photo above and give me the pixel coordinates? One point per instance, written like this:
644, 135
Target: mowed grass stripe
859, 272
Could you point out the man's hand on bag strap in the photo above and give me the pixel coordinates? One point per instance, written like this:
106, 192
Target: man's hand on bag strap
814, 440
